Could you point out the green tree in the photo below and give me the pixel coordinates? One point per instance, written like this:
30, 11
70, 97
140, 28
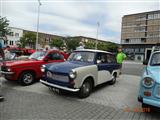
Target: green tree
112, 47
90, 45
56, 42
4, 23
29, 38
72, 43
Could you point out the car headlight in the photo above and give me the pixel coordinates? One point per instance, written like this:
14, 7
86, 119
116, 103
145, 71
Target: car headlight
72, 74
148, 82
9, 69
43, 67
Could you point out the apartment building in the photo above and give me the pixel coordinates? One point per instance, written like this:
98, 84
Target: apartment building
139, 33
13, 37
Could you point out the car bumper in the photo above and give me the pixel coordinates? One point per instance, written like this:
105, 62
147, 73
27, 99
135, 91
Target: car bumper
150, 102
58, 86
6, 73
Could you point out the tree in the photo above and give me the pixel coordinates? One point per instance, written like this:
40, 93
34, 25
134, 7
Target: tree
72, 43
29, 38
4, 23
56, 42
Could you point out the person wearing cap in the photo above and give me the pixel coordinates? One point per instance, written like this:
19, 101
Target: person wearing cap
120, 57
81, 46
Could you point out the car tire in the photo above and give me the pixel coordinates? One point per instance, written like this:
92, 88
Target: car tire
26, 78
85, 89
113, 81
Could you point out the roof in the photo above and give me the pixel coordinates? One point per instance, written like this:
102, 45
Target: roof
93, 50
157, 11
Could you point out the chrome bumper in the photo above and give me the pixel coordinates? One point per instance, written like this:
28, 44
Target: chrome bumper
6, 73
58, 86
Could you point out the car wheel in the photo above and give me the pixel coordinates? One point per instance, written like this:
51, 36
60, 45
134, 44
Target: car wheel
113, 81
85, 89
26, 78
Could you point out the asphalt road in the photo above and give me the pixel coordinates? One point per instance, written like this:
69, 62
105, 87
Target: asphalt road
132, 68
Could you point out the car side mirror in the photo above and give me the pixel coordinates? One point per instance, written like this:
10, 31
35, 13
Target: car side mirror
145, 62
46, 59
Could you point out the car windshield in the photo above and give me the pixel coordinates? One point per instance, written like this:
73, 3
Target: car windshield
39, 55
155, 60
82, 56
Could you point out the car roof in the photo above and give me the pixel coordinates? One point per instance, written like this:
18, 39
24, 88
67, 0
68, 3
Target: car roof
93, 50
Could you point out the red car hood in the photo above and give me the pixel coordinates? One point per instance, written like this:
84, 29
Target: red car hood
20, 62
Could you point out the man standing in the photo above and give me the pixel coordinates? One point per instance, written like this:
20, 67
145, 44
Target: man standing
81, 46
120, 57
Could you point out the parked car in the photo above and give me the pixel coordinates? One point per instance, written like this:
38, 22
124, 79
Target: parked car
149, 93
27, 71
83, 70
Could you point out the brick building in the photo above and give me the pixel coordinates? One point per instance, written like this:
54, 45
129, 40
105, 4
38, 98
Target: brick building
139, 33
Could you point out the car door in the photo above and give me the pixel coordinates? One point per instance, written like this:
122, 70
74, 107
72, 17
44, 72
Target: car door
104, 68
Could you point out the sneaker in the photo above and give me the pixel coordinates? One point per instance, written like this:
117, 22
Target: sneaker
1, 98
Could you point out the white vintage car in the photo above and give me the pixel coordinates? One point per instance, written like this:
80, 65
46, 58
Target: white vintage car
83, 70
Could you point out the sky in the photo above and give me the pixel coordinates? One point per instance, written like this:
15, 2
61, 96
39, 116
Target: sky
75, 17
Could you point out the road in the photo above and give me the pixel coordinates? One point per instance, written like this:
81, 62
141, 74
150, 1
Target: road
111, 102
132, 68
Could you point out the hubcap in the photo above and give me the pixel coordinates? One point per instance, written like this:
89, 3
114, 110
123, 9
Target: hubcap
86, 87
28, 78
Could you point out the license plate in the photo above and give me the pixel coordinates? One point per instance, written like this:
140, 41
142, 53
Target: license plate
55, 89
158, 91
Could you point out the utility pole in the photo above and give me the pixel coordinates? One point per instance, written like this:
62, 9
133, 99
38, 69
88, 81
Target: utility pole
98, 24
39, 4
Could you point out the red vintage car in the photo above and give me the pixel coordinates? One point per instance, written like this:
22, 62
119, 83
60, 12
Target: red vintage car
28, 71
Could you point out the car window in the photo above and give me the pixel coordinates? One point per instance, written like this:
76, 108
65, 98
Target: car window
102, 58
111, 58
55, 56
82, 56
155, 60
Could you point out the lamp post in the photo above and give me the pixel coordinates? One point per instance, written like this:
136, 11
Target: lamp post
39, 4
97, 35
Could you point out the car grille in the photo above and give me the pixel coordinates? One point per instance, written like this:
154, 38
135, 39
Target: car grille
4, 68
59, 77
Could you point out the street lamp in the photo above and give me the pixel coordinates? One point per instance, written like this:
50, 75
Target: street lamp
39, 4
97, 35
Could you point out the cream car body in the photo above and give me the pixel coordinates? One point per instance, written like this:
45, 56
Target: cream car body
83, 70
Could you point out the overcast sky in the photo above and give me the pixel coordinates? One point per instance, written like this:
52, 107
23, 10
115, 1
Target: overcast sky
75, 17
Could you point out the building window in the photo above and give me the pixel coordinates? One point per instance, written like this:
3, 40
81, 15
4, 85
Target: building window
17, 34
154, 16
11, 34
139, 29
127, 41
136, 50
143, 40
5, 42
142, 50
11, 42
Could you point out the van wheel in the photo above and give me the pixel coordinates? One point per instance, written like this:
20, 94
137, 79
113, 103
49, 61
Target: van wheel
85, 89
113, 81
26, 78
